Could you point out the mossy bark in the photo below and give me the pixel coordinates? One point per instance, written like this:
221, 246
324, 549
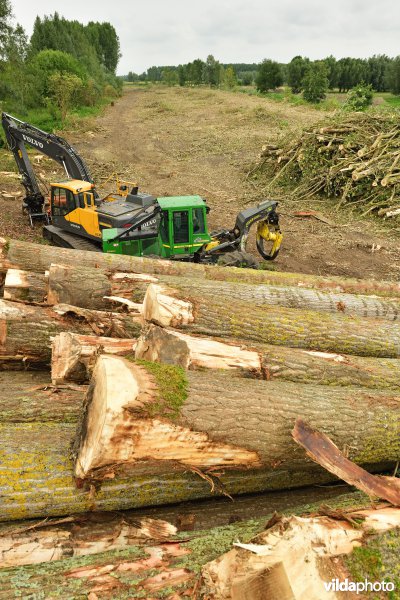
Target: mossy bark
213, 315
36, 463
273, 363
264, 295
36, 257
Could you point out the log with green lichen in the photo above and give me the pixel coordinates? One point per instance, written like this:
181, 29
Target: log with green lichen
273, 363
251, 447
36, 257
26, 331
196, 311
159, 569
287, 297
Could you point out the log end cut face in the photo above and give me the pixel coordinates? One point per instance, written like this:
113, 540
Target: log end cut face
162, 308
116, 387
121, 428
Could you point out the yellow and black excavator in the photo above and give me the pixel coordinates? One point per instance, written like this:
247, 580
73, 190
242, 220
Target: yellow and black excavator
130, 222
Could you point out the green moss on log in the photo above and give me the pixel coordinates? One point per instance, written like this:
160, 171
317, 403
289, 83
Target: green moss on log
378, 559
172, 389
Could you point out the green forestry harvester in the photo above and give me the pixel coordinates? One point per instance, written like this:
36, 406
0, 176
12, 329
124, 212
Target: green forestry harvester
130, 222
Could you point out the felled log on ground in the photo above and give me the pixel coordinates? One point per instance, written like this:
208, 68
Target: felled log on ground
25, 286
214, 315
36, 257
83, 535
273, 562
286, 297
91, 288
170, 567
273, 363
138, 571
32, 541
126, 402
168, 448
73, 356
26, 330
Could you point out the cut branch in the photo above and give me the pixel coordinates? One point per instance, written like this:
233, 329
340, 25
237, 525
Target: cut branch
324, 452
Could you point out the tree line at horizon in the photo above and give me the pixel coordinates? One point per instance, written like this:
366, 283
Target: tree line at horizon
312, 78
63, 65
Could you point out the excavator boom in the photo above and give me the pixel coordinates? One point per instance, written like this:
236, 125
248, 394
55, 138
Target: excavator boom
19, 135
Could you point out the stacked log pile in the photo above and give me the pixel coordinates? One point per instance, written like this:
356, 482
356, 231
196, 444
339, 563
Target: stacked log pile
273, 353
129, 382
355, 157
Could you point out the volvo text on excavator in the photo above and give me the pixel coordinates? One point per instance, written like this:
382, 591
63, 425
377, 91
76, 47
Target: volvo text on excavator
128, 221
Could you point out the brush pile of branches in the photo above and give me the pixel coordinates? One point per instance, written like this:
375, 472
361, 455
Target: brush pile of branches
354, 157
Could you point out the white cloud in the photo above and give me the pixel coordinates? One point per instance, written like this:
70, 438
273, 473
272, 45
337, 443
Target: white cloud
155, 32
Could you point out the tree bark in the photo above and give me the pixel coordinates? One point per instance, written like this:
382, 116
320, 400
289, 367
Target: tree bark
36, 466
36, 257
275, 363
214, 315
92, 288
25, 286
287, 297
84, 535
26, 331
73, 356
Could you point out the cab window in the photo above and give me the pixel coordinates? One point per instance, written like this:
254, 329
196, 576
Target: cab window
181, 226
164, 229
89, 199
199, 225
81, 200
63, 201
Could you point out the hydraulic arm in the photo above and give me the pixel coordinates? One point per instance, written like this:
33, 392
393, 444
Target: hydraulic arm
20, 134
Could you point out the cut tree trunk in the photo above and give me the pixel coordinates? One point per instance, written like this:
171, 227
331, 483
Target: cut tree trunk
25, 286
215, 316
274, 562
26, 331
68, 537
181, 458
36, 257
73, 356
169, 568
286, 297
278, 363
92, 288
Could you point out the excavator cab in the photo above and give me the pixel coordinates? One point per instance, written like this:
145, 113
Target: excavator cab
73, 207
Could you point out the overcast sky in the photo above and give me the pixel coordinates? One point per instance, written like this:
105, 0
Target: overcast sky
169, 32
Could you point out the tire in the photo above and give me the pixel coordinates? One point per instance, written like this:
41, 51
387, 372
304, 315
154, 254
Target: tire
238, 259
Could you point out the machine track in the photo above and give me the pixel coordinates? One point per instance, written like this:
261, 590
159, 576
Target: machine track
61, 238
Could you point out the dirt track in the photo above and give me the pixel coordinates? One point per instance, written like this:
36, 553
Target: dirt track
197, 141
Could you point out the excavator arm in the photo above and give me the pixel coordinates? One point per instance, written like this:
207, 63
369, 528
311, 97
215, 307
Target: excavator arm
20, 134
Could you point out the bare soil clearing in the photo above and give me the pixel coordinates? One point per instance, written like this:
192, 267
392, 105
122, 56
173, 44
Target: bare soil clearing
198, 141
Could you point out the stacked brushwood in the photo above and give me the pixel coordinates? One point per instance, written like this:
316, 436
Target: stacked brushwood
354, 157
173, 381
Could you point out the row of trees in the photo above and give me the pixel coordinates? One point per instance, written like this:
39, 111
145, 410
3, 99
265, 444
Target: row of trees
210, 72
65, 64
315, 78
312, 78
